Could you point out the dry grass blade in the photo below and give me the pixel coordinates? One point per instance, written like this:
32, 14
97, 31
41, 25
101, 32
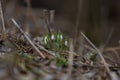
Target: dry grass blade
99, 53
80, 2
52, 15
15, 23
2, 17
70, 61
44, 49
32, 16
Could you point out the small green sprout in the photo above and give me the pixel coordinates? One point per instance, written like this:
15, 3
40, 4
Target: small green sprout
60, 61
57, 41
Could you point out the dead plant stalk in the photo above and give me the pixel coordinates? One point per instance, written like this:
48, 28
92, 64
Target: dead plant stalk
16, 24
100, 54
70, 60
2, 17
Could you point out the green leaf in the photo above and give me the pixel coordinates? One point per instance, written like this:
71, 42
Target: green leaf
60, 61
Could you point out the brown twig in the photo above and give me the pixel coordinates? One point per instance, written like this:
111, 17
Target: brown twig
15, 23
116, 53
100, 54
2, 17
48, 25
99, 66
32, 16
77, 24
52, 15
79, 6
70, 60
113, 48
42, 48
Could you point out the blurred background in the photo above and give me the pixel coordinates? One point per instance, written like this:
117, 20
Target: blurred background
98, 19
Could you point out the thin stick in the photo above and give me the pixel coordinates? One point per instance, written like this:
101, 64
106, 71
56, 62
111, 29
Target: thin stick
99, 66
70, 60
48, 25
44, 49
2, 17
15, 23
77, 24
51, 18
100, 54
33, 18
